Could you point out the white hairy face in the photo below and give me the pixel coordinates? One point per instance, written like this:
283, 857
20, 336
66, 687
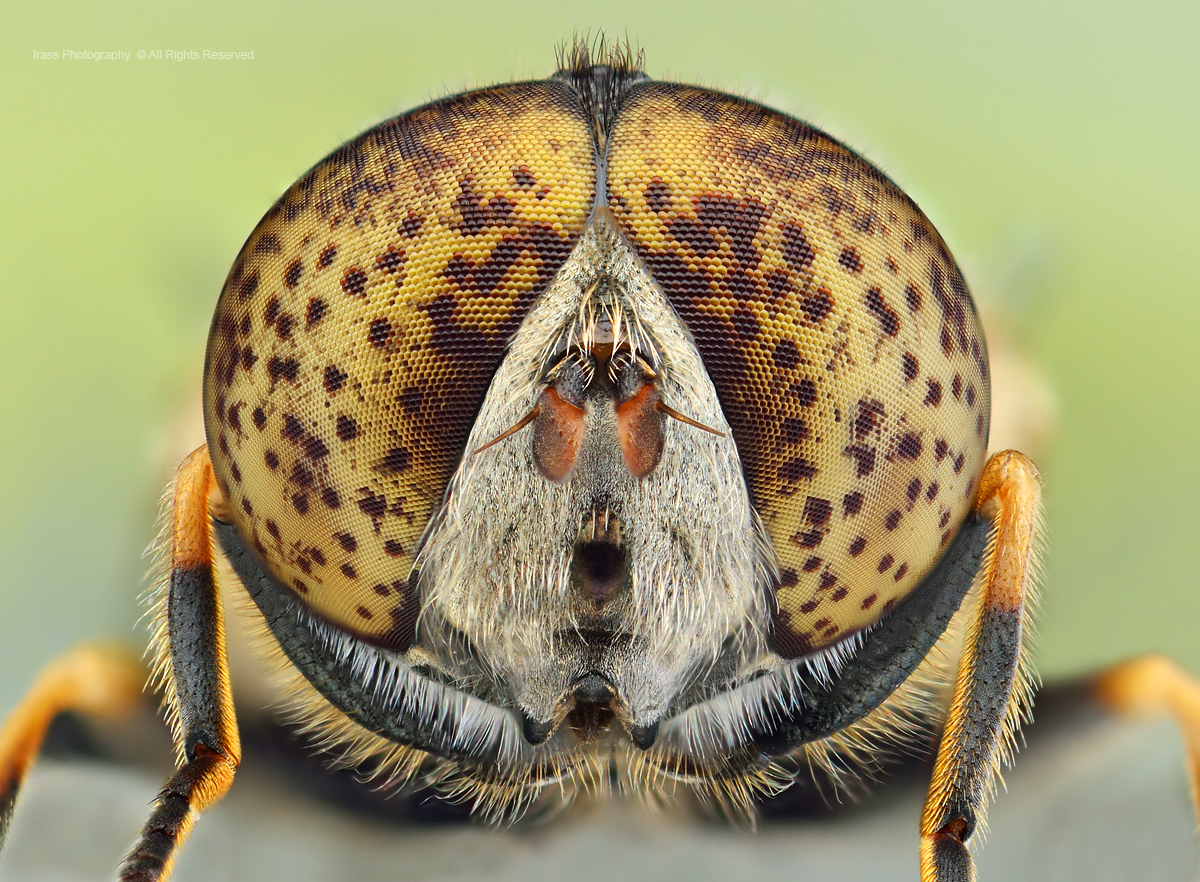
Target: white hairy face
555, 577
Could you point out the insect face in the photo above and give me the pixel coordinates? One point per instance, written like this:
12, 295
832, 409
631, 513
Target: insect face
579, 555
601, 405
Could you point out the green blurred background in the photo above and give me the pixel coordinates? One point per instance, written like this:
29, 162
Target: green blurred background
1054, 145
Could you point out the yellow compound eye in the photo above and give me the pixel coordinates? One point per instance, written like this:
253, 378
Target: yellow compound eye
360, 325
838, 331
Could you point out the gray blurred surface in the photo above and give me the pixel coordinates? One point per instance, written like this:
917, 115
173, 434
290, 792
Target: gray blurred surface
1102, 801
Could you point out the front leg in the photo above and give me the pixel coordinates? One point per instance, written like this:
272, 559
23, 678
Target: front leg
190, 637
993, 687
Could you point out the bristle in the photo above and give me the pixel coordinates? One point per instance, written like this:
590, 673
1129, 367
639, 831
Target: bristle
155, 601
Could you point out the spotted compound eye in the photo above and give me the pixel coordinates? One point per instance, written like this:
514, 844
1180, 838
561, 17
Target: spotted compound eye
359, 328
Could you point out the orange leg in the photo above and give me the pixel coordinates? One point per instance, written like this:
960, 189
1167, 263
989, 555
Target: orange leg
192, 664
1156, 685
89, 680
992, 689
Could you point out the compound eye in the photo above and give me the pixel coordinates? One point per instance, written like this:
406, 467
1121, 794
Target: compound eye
359, 328
837, 330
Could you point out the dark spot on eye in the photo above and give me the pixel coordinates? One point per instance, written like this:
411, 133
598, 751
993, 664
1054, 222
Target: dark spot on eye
914, 489
816, 306
302, 475
223, 443
271, 459
970, 396
864, 459
796, 250
811, 539
852, 503
334, 379
393, 548
364, 612
259, 418
944, 519
913, 297
869, 413
354, 282
381, 590
268, 243
347, 428
828, 580
809, 605
291, 276
850, 260
315, 312
745, 324
869, 601
524, 178
817, 510
410, 226
293, 429
390, 261
246, 326
795, 469
300, 502
794, 430
893, 519
371, 505
877, 306
657, 195
947, 341
248, 358
284, 326
839, 594
348, 571
909, 446
395, 461
286, 368
410, 400
248, 287
885, 562
804, 391
958, 463
379, 333
811, 564
786, 355
273, 529
934, 396
821, 623
911, 366
271, 313
940, 449
327, 256
300, 586
247, 507
317, 555
931, 491
235, 472
900, 572
330, 497
956, 387
857, 546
